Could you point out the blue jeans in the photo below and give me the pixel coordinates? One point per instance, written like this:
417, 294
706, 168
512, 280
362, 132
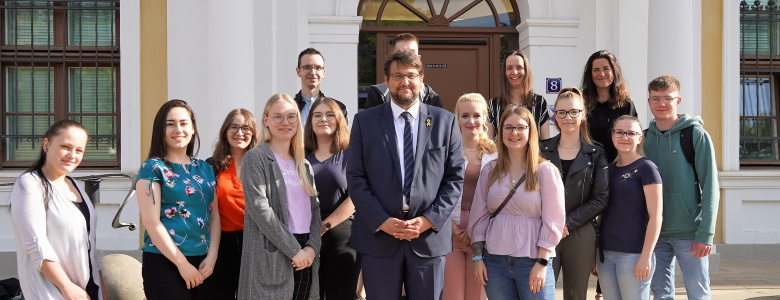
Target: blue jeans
695, 270
508, 278
617, 278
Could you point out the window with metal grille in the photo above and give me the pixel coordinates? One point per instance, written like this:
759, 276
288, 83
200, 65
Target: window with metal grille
59, 60
759, 78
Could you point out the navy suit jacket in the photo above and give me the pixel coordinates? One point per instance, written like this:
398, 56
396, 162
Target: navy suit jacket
374, 179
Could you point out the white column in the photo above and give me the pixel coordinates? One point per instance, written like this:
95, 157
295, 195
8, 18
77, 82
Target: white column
280, 33
337, 38
674, 48
631, 51
551, 46
231, 76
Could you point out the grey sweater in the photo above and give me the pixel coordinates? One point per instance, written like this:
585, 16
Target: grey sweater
266, 269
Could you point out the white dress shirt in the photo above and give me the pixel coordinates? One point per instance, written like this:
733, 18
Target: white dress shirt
398, 122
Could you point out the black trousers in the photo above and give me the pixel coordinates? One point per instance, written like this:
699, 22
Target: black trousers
302, 278
339, 264
228, 268
162, 280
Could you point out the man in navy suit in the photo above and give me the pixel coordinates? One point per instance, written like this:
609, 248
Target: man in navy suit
402, 224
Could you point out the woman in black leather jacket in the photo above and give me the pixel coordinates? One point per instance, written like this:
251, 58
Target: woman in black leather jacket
583, 168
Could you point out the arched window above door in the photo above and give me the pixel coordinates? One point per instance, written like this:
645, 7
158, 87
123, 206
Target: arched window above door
446, 13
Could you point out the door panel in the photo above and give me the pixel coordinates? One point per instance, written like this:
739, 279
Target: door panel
453, 70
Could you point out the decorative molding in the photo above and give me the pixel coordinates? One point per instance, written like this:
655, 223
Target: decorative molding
545, 32
334, 29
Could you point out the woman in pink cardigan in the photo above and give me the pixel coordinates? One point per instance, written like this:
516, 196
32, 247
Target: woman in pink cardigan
514, 244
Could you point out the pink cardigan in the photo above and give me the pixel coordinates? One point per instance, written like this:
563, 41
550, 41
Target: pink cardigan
530, 219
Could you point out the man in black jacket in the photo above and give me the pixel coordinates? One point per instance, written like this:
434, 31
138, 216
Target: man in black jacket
379, 94
311, 70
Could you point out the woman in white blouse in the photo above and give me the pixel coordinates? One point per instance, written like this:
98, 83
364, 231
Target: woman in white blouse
54, 221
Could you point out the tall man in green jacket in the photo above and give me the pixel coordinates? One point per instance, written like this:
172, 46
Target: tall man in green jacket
690, 209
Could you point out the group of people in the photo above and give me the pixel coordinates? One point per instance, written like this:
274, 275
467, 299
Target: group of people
425, 203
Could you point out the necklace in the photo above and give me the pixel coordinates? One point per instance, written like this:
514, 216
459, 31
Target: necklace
470, 150
564, 147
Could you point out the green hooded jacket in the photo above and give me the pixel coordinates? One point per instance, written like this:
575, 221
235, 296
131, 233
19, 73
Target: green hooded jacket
688, 212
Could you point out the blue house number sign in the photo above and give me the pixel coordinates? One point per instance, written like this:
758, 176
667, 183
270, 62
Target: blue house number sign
553, 85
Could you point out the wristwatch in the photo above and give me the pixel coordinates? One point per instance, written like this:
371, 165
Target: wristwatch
542, 261
327, 225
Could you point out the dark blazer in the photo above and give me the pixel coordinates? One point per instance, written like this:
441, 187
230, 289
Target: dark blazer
374, 180
301, 103
586, 186
378, 94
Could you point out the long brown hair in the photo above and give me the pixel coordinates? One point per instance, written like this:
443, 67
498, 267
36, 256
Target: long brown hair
158, 146
576, 95
527, 86
341, 134
532, 157
486, 144
618, 90
296, 143
222, 156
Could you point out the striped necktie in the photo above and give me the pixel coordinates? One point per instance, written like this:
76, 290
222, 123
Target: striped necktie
408, 155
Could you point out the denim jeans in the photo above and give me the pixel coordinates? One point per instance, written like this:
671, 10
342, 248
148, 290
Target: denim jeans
695, 270
508, 278
617, 278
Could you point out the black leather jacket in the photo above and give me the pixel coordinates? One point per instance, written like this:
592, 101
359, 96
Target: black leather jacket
587, 187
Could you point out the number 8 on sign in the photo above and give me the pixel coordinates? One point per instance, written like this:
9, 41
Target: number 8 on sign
553, 85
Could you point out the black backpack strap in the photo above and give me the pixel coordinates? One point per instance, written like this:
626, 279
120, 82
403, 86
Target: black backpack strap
686, 144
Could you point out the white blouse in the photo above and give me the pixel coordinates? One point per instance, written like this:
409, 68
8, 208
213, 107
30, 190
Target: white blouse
58, 233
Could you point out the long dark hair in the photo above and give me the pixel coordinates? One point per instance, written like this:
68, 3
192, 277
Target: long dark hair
527, 86
221, 157
618, 90
157, 149
37, 168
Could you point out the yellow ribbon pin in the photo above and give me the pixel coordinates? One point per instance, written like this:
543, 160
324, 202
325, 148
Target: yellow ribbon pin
428, 122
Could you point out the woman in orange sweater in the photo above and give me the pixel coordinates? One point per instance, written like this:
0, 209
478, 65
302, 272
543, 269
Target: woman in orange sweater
237, 135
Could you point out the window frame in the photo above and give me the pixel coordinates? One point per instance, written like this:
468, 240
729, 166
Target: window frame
756, 65
61, 57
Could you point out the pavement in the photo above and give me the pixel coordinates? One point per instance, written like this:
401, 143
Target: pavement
735, 280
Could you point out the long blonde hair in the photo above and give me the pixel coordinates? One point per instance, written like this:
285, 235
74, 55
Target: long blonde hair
296, 143
486, 144
532, 157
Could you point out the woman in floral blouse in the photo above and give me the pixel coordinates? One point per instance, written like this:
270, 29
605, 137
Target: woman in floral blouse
176, 195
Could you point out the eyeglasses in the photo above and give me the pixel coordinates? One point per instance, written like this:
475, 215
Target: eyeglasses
400, 77
244, 129
574, 113
621, 134
326, 116
667, 100
510, 129
308, 68
290, 118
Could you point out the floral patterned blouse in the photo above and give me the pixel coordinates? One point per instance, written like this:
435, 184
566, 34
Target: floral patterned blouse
187, 196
